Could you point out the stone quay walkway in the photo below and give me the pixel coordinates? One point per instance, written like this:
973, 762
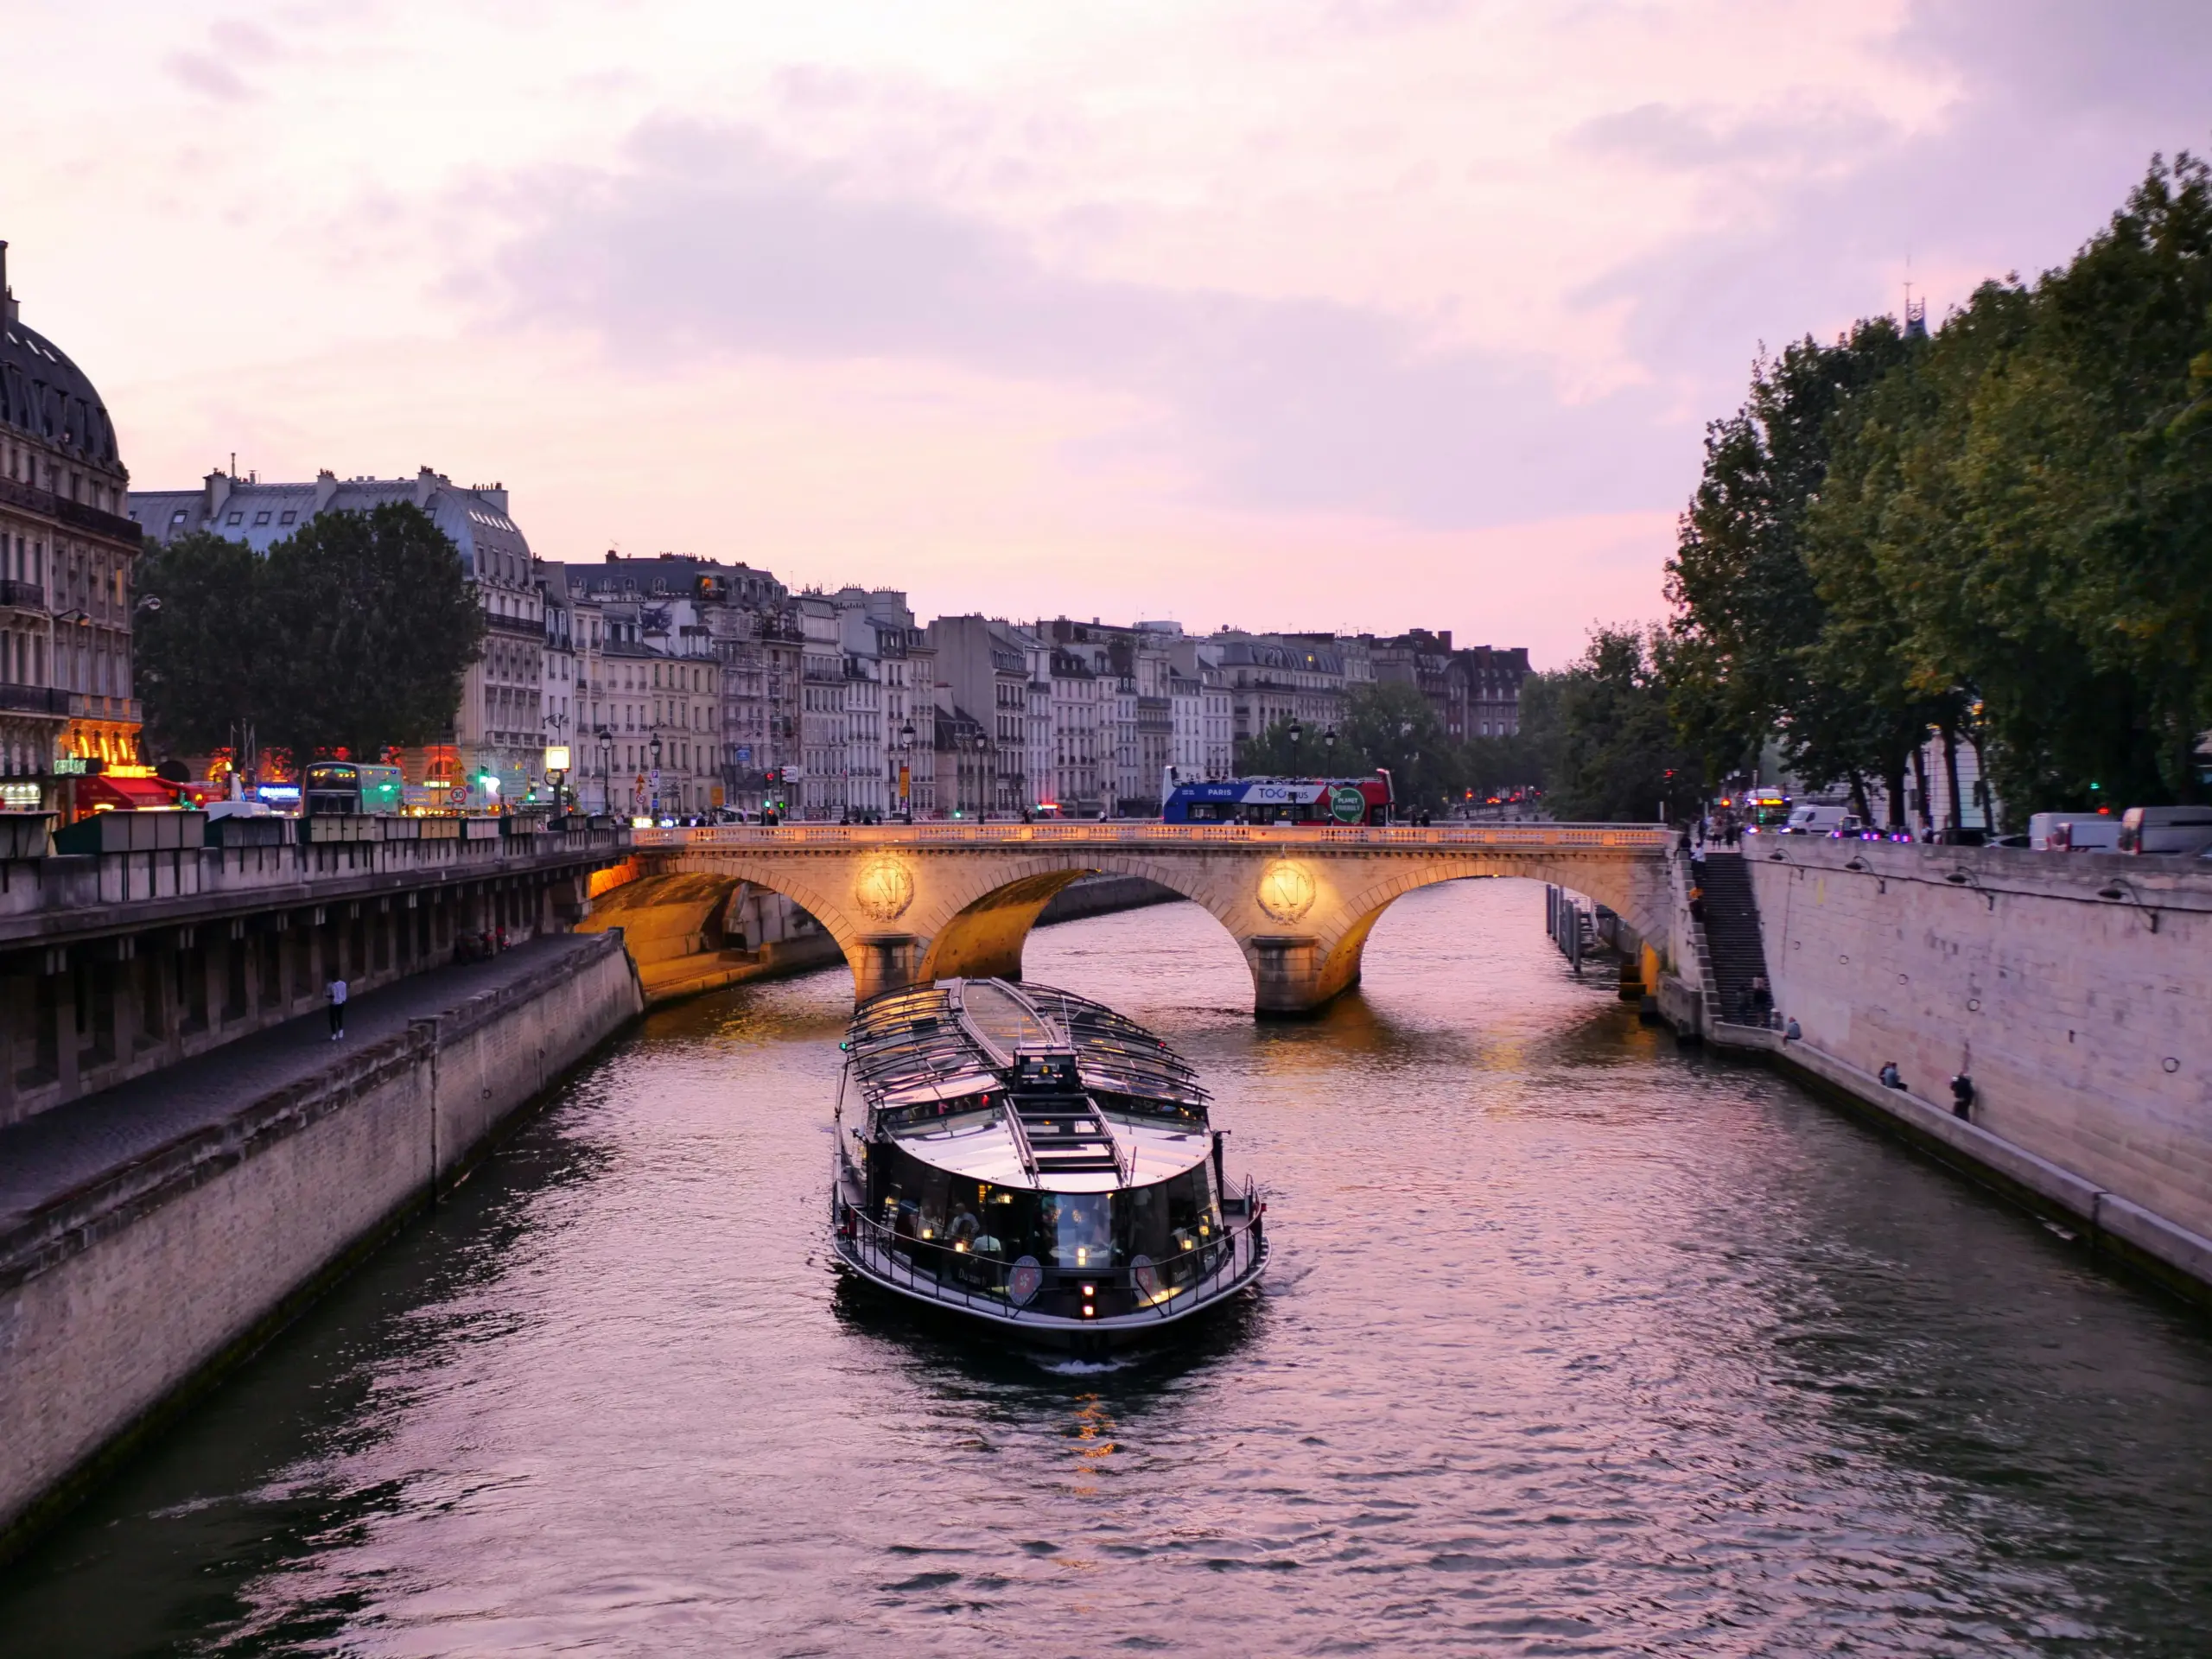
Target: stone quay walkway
47, 1157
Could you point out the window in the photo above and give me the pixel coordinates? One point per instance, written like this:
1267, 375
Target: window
177, 517
260, 518
235, 518
286, 517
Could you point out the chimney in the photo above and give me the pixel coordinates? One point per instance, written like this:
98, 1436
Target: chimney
325, 486
7, 293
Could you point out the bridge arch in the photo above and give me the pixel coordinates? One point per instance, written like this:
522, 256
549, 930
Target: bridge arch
906, 906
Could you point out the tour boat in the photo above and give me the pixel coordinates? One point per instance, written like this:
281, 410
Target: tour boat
1037, 1162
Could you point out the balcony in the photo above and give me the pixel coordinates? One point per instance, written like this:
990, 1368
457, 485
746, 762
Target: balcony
34, 699
23, 595
23, 496
84, 705
529, 628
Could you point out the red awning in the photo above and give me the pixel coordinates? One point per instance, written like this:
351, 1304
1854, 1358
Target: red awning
124, 794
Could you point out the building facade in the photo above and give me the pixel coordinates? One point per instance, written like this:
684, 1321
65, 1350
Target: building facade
493, 752
68, 549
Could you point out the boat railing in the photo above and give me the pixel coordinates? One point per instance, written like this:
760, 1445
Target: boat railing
952, 1273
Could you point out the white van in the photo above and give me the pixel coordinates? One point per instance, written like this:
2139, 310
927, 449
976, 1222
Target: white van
2183, 829
1815, 820
2079, 832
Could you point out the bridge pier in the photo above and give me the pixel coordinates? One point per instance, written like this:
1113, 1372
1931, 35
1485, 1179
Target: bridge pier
884, 962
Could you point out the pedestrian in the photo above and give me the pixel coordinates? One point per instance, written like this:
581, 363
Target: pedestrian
1962, 1096
334, 994
1891, 1076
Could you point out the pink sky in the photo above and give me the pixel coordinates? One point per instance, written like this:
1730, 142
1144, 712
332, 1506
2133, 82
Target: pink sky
1351, 313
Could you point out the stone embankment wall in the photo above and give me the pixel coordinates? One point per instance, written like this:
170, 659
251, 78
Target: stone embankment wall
2074, 989
118, 1296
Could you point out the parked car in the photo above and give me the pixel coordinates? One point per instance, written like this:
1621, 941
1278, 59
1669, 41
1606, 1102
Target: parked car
2183, 829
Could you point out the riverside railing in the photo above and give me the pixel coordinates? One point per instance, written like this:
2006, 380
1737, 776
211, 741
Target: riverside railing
1513, 837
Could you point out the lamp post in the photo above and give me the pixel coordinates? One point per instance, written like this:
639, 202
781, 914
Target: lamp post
652, 778
606, 772
907, 772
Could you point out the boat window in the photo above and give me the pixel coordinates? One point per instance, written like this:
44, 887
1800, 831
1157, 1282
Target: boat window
1081, 1227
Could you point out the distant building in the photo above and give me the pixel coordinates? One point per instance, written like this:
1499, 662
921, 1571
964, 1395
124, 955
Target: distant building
66, 552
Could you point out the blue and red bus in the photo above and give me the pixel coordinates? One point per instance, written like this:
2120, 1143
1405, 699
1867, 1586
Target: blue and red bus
1344, 802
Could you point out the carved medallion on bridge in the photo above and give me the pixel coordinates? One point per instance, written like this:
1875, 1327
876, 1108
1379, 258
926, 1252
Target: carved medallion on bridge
883, 889
1286, 890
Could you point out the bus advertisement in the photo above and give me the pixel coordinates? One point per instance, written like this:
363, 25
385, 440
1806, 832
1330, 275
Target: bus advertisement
1346, 803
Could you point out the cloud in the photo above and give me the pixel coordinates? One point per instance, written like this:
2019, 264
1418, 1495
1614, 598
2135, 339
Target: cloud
208, 75
711, 242
2057, 111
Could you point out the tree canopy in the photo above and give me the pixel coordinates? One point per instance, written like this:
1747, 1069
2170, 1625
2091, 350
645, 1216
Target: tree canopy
2000, 531
353, 634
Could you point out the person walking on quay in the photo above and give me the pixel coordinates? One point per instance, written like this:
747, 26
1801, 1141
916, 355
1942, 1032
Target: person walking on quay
334, 994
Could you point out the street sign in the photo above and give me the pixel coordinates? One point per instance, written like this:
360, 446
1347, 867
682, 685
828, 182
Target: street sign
745, 754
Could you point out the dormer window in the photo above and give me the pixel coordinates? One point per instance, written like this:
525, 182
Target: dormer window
235, 518
177, 517
287, 517
260, 518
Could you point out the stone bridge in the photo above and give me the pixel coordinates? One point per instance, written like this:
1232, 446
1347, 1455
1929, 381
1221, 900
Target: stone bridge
911, 903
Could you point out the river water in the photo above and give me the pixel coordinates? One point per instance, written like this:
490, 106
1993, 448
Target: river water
1573, 1342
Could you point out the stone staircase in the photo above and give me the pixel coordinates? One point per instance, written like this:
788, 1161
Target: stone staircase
1733, 947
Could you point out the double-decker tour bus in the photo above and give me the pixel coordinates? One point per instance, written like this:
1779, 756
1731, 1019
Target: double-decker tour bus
345, 787
1344, 802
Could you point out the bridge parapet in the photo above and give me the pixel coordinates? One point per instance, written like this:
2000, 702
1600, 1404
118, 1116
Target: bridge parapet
1621, 837
909, 903
54, 898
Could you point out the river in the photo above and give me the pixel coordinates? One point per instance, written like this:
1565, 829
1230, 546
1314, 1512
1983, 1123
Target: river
1573, 1342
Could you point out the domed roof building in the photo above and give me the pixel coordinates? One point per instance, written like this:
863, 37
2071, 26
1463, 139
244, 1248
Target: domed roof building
66, 548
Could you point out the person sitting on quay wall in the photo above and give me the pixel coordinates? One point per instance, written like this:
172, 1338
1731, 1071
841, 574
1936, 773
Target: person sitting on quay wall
1889, 1076
1962, 1096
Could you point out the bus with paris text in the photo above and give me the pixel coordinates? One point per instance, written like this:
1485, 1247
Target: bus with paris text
1346, 803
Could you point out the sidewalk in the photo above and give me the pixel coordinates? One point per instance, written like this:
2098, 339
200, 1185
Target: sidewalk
45, 1156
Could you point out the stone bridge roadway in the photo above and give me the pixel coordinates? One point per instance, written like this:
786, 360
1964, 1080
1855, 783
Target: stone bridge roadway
911, 903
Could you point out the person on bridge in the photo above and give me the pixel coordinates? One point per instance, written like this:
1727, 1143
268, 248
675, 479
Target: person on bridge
334, 994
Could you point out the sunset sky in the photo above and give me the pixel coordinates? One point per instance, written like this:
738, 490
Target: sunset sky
1351, 313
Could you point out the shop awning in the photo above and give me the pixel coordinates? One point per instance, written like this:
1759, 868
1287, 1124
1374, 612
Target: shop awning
124, 794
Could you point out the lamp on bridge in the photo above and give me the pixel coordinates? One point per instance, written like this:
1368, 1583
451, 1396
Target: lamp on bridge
606, 770
556, 769
906, 772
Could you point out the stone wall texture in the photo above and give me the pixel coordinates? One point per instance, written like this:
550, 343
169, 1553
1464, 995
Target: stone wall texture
122, 1292
2075, 989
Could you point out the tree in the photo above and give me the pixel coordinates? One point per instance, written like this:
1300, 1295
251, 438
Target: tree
1743, 655
200, 653
1607, 737
1386, 727
353, 634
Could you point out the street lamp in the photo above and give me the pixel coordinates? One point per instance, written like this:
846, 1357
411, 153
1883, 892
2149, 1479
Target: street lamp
653, 780
606, 771
906, 772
